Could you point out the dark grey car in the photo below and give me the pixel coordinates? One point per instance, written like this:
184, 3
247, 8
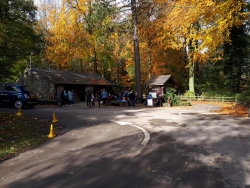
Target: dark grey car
17, 96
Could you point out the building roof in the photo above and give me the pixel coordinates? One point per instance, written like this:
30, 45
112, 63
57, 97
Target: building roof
158, 80
67, 77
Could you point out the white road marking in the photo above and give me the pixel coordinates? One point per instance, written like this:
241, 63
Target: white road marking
182, 113
146, 133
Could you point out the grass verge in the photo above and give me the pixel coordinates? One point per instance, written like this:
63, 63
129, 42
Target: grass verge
18, 134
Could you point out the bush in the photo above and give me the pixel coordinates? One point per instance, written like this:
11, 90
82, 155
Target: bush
243, 97
184, 103
172, 96
216, 94
189, 94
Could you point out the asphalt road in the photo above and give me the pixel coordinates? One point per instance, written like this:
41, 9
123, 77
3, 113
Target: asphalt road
135, 147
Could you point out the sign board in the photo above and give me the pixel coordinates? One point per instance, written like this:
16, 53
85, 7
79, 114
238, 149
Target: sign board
154, 95
155, 92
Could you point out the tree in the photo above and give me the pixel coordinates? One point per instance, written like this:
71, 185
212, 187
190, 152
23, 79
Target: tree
81, 33
198, 27
17, 35
236, 60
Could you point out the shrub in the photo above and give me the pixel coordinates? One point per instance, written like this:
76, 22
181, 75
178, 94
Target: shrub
189, 94
172, 96
243, 97
216, 94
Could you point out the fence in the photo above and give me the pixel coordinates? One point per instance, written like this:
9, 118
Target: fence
204, 98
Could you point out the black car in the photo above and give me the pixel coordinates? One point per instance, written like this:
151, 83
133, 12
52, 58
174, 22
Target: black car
17, 95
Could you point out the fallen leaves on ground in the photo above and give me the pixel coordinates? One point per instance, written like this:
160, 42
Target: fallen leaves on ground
18, 134
228, 108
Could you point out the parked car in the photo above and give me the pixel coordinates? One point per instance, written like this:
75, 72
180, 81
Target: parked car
17, 95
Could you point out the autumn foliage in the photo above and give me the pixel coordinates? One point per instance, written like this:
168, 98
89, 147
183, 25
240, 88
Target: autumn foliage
228, 108
96, 36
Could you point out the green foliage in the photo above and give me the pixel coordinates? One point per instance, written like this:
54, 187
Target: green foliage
189, 94
172, 96
184, 103
236, 61
217, 94
99, 23
11, 75
17, 35
243, 97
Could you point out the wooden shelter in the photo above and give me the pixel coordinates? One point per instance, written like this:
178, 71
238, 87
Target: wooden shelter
159, 85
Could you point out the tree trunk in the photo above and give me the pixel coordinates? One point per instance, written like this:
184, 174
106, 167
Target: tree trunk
191, 77
95, 62
189, 52
136, 50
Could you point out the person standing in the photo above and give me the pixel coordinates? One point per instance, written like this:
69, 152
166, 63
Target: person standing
92, 99
99, 97
88, 97
62, 97
132, 98
104, 96
126, 96
109, 99
65, 96
73, 97
70, 97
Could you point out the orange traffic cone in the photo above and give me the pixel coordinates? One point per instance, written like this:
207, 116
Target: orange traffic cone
51, 132
54, 118
19, 113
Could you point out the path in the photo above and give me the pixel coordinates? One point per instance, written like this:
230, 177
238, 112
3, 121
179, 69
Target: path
188, 147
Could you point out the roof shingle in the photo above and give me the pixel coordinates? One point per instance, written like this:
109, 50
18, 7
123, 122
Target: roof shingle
68, 77
158, 80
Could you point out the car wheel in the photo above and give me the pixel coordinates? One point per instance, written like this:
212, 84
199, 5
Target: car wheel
18, 104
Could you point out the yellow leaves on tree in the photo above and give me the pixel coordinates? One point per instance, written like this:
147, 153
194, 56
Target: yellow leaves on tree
64, 41
198, 27
202, 25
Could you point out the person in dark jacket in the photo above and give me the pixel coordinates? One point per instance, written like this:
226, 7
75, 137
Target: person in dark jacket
160, 100
132, 98
88, 97
62, 97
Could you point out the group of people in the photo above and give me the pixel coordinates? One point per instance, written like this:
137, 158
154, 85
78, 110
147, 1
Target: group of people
67, 97
129, 97
104, 98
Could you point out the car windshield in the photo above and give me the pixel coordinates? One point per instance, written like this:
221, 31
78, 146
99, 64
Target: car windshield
25, 88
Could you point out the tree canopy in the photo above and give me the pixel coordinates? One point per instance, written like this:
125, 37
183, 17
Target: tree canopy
183, 38
18, 38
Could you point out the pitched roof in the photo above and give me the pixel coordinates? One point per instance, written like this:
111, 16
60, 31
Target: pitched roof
68, 77
158, 80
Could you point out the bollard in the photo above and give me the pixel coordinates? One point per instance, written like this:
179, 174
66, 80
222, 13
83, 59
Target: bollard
51, 132
54, 120
19, 113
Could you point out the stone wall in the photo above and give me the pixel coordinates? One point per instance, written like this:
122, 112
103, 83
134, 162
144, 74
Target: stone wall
43, 89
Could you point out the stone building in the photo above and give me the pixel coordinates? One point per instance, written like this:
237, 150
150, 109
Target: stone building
47, 84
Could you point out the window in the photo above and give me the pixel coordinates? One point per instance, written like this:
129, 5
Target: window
11, 88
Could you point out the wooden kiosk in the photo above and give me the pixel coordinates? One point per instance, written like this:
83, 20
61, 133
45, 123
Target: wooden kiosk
158, 86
